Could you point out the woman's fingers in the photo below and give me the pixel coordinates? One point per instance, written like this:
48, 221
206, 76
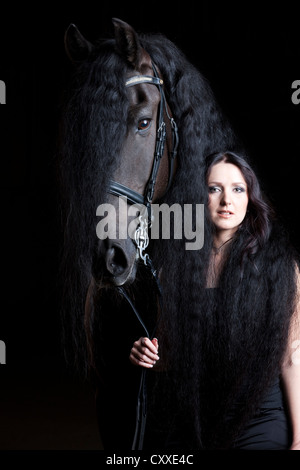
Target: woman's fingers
145, 350
144, 353
137, 362
152, 346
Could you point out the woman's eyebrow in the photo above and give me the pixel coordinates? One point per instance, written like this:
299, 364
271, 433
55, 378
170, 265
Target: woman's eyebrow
219, 182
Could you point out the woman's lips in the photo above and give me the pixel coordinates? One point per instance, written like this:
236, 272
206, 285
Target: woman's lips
225, 214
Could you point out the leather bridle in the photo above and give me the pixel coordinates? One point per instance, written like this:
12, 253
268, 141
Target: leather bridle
133, 197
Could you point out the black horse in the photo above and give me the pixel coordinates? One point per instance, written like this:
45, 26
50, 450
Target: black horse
136, 127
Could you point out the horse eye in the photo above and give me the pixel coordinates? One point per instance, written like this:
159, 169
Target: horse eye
144, 124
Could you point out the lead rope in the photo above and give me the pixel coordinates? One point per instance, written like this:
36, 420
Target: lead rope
141, 408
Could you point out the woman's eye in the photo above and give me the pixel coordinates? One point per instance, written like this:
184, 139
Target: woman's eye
239, 190
144, 124
213, 189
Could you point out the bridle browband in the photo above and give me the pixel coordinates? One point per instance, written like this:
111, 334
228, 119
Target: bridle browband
133, 197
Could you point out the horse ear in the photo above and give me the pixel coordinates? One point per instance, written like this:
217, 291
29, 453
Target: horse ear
77, 47
127, 42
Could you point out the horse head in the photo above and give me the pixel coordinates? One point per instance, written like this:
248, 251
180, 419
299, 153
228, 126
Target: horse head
143, 168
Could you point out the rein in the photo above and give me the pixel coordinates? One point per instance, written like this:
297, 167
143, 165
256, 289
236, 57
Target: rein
141, 408
141, 234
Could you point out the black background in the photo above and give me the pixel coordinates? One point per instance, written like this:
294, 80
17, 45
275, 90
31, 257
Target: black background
249, 53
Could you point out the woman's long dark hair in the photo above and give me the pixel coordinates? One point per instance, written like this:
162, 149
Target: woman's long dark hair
238, 337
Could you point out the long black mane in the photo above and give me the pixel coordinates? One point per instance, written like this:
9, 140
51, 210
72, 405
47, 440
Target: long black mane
95, 112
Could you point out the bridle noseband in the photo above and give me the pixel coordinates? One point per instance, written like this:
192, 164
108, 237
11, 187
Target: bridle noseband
133, 197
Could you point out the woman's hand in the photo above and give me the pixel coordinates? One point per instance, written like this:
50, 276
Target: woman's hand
144, 352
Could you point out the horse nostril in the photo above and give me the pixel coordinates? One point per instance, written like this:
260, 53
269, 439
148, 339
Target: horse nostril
116, 261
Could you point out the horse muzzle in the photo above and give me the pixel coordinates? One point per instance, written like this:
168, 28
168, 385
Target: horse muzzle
115, 262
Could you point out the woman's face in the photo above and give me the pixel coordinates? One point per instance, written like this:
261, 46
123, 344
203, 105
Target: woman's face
228, 197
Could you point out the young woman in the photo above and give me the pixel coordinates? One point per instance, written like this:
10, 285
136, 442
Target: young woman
240, 388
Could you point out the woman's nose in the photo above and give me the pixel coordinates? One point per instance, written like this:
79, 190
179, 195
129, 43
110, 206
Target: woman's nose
226, 200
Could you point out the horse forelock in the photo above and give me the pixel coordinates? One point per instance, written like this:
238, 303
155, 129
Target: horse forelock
96, 116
